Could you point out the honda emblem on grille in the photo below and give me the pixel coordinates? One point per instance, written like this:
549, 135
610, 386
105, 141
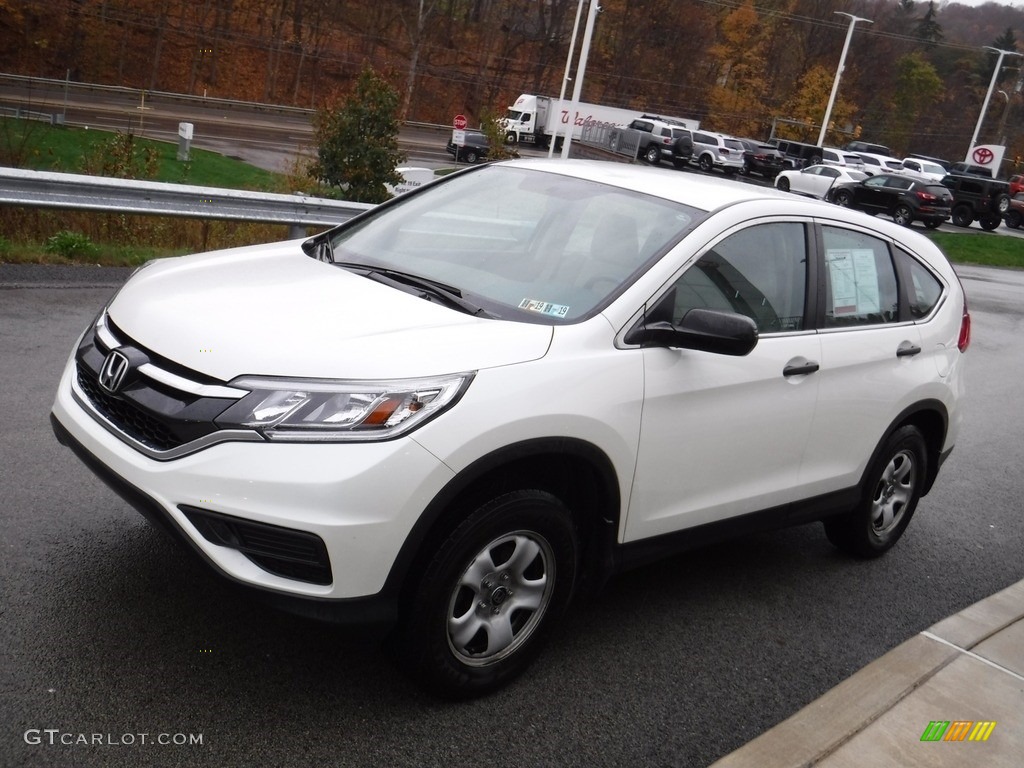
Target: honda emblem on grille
112, 374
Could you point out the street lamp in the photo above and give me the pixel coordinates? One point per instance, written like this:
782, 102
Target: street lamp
581, 70
565, 77
991, 87
839, 73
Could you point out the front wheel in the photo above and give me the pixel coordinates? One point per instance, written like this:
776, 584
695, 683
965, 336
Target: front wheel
933, 223
489, 596
890, 493
652, 154
511, 138
782, 183
1013, 219
989, 222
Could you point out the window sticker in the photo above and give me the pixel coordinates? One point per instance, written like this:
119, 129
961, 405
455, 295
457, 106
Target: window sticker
854, 279
544, 307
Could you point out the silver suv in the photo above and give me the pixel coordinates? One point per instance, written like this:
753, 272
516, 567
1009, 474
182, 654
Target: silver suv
717, 150
663, 139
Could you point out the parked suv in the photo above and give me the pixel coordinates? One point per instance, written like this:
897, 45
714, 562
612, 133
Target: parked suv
661, 138
976, 198
866, 146
760, 158
457, 410
906, 198
717, 150
797, 154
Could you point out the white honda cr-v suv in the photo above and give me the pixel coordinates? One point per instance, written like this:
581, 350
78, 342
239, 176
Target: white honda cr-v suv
454, 411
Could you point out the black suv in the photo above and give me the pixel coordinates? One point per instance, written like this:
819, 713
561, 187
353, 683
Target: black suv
905, 198
660, 138
761, 158
796, 154
475, 147
976, 198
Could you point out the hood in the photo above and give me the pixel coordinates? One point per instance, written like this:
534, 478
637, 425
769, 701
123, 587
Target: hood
273, 311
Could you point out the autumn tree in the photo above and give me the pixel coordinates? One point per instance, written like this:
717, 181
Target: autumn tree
357, 143
808, 106
918, 88
735, 103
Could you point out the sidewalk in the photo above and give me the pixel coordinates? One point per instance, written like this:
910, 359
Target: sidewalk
967, 670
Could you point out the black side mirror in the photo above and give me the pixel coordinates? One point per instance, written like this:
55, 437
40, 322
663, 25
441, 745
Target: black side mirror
705, 330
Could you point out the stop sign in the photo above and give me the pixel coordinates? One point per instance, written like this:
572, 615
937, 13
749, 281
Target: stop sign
459, 123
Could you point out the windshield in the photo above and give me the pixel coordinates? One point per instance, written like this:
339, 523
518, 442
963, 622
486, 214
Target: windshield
523, 244
933, 168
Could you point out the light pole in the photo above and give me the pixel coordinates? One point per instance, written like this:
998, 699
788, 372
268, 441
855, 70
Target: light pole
580, 71
565, 77
991, 87
839, 73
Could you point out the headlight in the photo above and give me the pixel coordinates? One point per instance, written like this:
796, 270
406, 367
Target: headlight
319, 410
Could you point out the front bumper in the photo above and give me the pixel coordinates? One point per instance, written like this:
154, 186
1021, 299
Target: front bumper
238, 504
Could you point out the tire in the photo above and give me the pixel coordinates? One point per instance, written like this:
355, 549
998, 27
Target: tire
889, 496
903, 216
652, 154
745, 170
815, 160
782, 184
706, 164
933, 223
471, 156
1013, 219
989, 221
487, 599
962, 216
1002, 203
510, 138
680, 163
843, 197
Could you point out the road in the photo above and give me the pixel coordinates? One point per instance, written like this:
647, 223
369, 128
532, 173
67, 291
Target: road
108, 631
271, 138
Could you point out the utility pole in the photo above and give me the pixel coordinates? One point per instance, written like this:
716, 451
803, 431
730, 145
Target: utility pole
839, 73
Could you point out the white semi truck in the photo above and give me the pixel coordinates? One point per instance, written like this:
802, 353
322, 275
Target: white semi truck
535, 119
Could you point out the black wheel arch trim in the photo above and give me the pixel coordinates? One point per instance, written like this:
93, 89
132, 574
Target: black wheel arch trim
447, 507
923, 415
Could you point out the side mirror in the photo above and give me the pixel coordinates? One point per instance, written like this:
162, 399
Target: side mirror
704, 330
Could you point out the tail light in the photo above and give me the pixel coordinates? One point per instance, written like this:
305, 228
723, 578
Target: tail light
964, 340
928, 196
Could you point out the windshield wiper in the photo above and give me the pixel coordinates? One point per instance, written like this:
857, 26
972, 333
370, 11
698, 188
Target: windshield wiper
428, 289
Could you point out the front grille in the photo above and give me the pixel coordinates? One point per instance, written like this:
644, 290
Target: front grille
298, 555
151, 414
133, 421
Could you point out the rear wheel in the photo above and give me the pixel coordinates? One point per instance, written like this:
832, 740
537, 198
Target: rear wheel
903, 215
706, 163
890, 493
490, 594
962, 216
745, 170
843, 198
470, 156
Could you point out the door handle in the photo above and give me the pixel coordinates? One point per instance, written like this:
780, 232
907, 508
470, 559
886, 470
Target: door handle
907, 349
799, 369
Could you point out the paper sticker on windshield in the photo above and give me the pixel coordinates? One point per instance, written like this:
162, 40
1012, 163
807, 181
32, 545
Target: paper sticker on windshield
544, 307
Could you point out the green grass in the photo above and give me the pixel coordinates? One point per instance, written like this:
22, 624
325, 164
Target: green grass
41, 147
981, 248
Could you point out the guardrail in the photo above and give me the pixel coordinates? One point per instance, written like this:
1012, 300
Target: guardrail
41, 189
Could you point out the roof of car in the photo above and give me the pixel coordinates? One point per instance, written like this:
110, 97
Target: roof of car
701, 192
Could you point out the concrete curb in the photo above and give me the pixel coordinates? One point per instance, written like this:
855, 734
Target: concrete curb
989, 633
